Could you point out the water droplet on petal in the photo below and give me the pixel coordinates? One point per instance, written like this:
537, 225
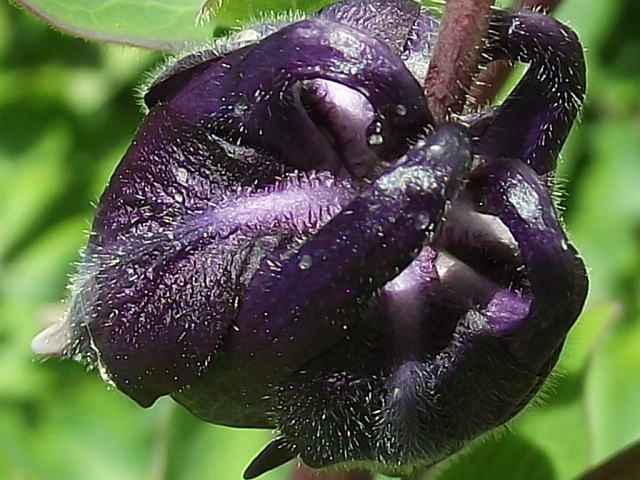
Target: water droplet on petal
436, 149
182, 175
241, 108
305, 262
422, 221
375, 139
401, 109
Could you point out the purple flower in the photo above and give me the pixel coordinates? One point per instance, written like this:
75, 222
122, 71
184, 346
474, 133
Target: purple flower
290, 241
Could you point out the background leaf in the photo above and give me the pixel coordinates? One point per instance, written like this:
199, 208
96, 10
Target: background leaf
155, 24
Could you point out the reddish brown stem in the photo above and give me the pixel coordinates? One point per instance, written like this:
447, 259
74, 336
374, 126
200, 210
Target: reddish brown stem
456, 55
623, 466
491, 80
303, 473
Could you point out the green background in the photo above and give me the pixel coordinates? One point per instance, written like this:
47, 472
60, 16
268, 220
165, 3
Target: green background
67, 113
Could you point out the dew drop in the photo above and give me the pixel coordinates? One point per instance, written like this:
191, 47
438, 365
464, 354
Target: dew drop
267, 243
182, 175
241, 108
178, 197
436, 149
401, 109
131, 273
305, 262
422, 221
375, 139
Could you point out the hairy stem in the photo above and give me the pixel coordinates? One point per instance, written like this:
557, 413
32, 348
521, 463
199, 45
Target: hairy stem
303, 473
457, 52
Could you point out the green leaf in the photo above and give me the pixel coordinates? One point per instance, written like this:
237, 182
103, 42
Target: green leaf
606, 210
158, 24
492, 459
29, 183
168, 25
612, 392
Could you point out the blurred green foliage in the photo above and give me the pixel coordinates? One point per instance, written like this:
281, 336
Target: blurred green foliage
67, 113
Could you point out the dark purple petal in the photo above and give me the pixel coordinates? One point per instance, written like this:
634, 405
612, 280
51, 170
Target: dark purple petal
409, 29
390, 21
556, 274
300, 302
150, 305
257, 95
272, 456
366, 245
534, 121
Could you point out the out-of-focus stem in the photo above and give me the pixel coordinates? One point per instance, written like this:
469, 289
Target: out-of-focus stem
303, 473
160, 464
491, 79
457, 52
416, 475
623, 466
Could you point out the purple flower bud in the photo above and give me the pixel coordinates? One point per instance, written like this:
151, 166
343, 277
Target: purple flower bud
290, 242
